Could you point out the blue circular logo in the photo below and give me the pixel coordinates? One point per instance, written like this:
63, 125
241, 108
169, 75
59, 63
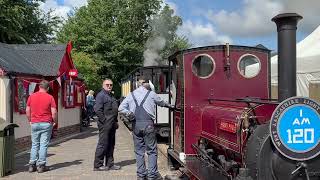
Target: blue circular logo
295, 128
299, 128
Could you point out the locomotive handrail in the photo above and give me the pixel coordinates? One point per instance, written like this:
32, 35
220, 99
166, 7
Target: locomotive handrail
245, 100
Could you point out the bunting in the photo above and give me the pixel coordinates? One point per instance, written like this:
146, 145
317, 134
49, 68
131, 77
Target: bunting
31, 85
58, 79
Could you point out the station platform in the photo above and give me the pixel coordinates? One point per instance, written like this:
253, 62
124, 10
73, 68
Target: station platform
73, 159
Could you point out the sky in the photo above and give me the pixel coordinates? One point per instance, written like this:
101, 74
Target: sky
239, 22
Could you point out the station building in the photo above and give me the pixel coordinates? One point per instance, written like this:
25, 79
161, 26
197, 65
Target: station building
22, 67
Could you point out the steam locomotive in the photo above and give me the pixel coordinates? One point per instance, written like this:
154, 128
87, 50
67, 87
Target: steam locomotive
221, 126
159, 76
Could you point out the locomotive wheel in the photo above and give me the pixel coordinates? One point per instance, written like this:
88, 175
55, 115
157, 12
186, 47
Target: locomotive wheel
259, 153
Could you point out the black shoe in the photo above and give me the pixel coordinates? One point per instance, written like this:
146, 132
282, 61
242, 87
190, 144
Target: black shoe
158, 177
32, 168
101, 168
42, 168
114, 167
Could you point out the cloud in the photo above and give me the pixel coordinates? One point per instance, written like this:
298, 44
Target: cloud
308, 9
61, 10
202, 34
57, 10
254, 18
75, 3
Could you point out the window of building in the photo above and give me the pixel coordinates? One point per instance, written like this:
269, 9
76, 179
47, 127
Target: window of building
22, 95
68, 95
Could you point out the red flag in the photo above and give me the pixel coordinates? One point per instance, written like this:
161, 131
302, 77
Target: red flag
69, 47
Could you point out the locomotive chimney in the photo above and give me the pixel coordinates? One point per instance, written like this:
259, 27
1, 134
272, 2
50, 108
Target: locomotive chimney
286, 27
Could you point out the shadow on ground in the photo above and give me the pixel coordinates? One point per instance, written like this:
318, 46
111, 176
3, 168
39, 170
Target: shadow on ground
126, 162
65, 164
23, 160
23, 167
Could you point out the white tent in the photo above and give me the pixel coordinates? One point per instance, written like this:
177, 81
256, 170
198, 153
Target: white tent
308, 63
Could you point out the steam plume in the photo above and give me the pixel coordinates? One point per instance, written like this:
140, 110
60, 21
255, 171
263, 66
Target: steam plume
152, 53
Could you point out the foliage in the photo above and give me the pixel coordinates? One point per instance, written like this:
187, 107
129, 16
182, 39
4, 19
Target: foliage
178, 43
114, 33
21, 21
88, 69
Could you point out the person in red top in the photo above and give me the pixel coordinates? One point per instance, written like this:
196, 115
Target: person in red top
42, 114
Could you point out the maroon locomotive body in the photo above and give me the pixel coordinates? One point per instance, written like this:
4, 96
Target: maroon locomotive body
203, 81
220, 128
214, 101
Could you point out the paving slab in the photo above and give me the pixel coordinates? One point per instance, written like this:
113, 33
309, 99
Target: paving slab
73, 159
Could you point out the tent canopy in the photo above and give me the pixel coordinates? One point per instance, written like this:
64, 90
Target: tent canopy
308, 63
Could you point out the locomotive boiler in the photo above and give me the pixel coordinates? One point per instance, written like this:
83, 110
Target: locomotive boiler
221, 126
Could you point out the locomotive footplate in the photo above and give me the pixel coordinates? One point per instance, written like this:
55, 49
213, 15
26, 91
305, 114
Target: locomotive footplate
201, 170
198, 169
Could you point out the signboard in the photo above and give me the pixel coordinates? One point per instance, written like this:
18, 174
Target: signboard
73, 73
295, 128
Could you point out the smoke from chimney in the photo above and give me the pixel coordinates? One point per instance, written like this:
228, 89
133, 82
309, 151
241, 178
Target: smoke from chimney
152, 53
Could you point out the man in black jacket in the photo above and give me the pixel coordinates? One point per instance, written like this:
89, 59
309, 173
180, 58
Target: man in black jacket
106, 108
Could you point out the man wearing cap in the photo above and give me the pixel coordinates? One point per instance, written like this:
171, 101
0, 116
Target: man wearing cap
42, 114
140, 105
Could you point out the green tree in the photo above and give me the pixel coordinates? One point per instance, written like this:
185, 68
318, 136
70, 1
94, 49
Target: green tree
114, 33
21, 21
88, 69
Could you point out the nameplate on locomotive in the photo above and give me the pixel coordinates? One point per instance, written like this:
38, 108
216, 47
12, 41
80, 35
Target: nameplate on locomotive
295, 128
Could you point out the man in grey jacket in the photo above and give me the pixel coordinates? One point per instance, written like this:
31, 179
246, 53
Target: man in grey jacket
140, 105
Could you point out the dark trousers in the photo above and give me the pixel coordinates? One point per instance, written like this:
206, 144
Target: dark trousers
90, 111
105, 146
144, 138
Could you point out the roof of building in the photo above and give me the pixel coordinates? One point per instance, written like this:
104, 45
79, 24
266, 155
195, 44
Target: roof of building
35, 59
